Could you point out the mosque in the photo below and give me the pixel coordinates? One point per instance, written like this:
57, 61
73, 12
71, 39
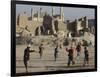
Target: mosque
41, 23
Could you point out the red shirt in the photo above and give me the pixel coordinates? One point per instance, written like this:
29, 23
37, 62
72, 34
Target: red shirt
70, 52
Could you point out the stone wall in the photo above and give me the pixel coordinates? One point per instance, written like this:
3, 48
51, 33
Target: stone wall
34, 26
77, 25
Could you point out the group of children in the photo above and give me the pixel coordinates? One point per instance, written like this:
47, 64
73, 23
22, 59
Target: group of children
71, 55
70, 52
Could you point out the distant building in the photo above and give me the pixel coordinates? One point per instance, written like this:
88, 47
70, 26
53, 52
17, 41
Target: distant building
22, 20
35, 22
77, 26
91, 24
41, 23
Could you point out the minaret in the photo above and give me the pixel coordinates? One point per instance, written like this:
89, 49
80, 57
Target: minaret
38, 18
32, 14
52, 11
86, 22
40, 11
18, 19
62, 13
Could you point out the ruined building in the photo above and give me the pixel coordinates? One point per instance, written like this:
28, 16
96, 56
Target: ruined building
40, 23
77, 26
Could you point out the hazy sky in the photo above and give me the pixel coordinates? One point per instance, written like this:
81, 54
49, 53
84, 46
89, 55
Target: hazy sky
70, 13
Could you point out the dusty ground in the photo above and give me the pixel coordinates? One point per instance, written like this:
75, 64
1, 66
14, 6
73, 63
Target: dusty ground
47, 62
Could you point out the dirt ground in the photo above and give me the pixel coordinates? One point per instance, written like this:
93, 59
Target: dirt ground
47, 62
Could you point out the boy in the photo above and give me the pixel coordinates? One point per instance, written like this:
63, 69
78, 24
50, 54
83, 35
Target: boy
86, 56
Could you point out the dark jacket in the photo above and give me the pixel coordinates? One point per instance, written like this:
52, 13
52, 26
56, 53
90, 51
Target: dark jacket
86, 53
27, 54
78, 48
70, 52
40, 49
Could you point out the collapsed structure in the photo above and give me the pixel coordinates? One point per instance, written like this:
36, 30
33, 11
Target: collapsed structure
41, 23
